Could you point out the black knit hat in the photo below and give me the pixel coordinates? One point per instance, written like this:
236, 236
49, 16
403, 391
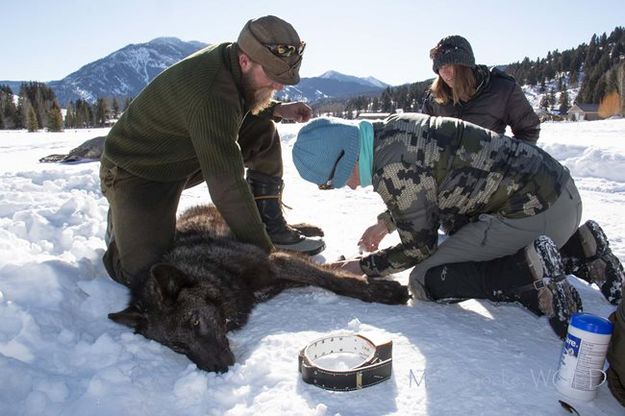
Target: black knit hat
451, 50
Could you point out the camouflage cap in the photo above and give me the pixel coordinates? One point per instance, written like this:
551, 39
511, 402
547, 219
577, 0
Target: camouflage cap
260, 35
452, 50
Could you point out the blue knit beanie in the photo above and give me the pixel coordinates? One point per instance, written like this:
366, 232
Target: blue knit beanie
323, 144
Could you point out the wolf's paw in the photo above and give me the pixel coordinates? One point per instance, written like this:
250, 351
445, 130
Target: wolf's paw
387, 291
308, 230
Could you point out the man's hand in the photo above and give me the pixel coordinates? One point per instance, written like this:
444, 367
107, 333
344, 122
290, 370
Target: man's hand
296, 111
372, 236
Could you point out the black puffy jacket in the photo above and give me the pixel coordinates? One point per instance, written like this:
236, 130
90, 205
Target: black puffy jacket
498, 102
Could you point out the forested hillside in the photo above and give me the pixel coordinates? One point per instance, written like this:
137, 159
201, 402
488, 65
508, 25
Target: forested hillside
596, 68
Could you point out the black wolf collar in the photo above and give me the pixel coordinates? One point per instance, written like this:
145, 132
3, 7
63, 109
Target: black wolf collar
376, 365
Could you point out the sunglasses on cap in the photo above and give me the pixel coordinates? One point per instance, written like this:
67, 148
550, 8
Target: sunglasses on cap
285, 51
328, 184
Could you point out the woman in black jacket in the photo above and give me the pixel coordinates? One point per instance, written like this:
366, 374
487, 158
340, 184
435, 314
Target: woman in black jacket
489, 98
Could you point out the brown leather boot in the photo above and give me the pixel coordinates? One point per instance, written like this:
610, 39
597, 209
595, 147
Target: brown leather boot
267, 191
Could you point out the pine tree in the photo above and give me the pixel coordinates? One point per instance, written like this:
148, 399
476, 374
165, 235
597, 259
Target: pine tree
621, 86
3, 103
612, 80
7, 108
574, 78
375, 105
83, 114
101, 112
600, 90
55, 118
532, 77
10, 111
564, 102
40, 97
115, 107
69, 117
31, 118
19, 113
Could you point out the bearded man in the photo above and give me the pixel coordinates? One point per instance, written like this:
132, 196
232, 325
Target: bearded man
204, 119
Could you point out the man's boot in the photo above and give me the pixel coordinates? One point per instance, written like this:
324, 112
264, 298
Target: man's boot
556, 297
588, 256
267, 191
533, 277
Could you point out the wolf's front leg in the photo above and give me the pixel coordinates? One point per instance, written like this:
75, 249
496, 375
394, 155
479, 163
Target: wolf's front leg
298, 269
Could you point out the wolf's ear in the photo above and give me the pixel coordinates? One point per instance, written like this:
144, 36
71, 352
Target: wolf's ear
166, 283
131, 316
213, 294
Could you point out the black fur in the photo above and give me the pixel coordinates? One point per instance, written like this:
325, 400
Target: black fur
209, 283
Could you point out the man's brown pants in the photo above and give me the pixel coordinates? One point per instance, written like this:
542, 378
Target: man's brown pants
142, 213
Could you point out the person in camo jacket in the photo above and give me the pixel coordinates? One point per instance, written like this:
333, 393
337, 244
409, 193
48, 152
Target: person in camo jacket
523, 204
487, 97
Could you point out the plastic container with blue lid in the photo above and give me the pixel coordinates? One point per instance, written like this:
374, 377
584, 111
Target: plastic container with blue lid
583, 356
591, 323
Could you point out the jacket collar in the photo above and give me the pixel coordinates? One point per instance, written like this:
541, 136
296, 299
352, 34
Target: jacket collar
482, 79
231, 61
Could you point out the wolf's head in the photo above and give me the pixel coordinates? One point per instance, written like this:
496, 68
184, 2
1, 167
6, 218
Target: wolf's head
183, 315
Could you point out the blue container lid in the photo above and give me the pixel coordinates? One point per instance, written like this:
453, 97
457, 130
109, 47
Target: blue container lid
591, 323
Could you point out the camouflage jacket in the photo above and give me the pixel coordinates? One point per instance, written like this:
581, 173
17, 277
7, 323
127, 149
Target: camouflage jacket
430, 170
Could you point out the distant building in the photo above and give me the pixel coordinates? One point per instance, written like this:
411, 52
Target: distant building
581, 112
372, 116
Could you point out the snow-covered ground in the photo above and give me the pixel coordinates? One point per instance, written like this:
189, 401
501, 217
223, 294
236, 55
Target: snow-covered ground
60, 355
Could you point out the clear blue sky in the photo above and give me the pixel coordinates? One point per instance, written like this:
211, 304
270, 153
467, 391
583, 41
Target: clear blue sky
47, 40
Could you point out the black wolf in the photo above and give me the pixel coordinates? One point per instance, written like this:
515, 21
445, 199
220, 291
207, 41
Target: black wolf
209, 283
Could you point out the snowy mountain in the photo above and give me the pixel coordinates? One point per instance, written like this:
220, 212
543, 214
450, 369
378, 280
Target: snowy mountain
368, 82
126, 72
331, 85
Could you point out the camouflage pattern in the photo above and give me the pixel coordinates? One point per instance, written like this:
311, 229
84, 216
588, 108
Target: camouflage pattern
431, 171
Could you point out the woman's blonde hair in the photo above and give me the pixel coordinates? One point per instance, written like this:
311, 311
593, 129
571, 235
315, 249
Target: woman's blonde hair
464, 86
